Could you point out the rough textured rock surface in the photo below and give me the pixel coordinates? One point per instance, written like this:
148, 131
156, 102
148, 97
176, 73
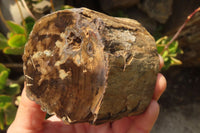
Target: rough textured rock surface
85, 66
111, 4
159, 10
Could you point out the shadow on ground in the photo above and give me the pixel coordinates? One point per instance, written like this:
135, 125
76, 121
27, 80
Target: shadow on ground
180, 104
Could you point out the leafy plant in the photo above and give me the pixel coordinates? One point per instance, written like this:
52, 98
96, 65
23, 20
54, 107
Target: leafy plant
29, 23
168, 48
8, 92
66, 7
16, 38
12, 44
169, 55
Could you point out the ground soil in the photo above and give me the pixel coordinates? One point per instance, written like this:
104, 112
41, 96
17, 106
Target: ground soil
180, 103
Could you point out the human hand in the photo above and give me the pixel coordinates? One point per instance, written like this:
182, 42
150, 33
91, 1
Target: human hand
30, 118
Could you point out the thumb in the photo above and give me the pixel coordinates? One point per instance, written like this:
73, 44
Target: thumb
29, 115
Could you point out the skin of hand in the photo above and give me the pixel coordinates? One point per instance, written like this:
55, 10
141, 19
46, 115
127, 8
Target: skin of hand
30, 118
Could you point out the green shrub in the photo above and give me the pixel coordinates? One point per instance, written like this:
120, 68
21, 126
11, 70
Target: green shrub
169, 55
8, 92
13, 44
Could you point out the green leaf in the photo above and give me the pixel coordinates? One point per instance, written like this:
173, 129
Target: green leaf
14, 51
166, 59
165, 54
18, 29
4, 99
13, 89
160, 48
3, 78
173, 47
3, 41
3, 68
175, 61
1, 119
29, 24
180, 51
170, 53
10, 34
66, 7
10, 112
18, 40
167, 64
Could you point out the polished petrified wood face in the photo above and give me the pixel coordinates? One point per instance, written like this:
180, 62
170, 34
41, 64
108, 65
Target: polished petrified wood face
73, 57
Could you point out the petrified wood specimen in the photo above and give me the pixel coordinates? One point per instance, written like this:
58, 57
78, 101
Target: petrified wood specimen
85, 66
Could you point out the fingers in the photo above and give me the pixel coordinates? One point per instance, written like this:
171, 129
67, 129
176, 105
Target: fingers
161, 61
161, 82
54, 124
29, 115
103, 128
122, 125
144, 122
160, 87
57, 127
